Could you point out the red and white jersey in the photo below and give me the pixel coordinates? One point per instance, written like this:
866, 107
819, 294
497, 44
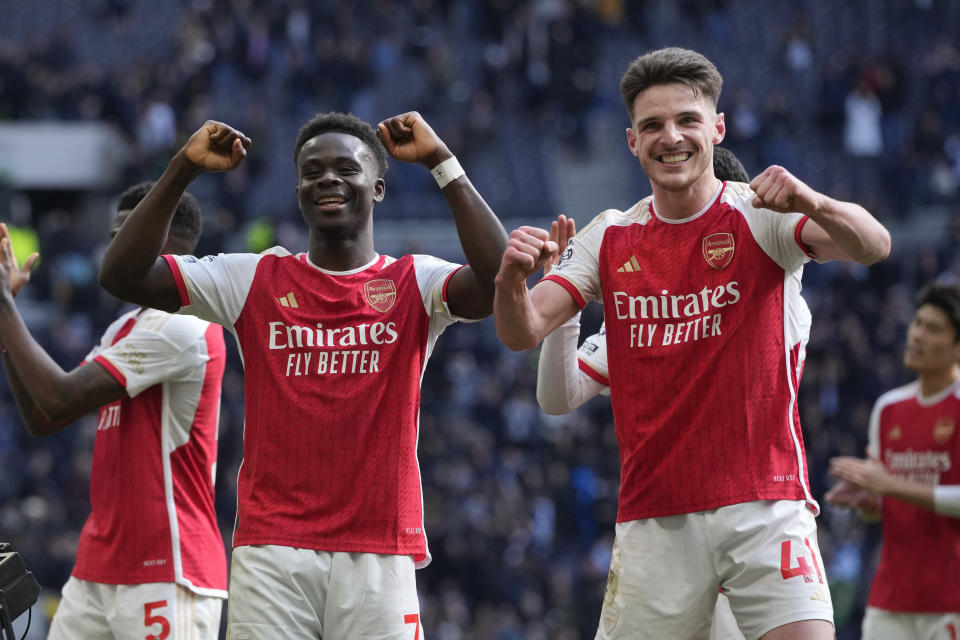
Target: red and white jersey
154, 457
706, 335
333, 365
915, 437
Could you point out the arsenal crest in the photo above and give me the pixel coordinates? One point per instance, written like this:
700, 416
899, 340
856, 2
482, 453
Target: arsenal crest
718, 249
380, 294
943, 429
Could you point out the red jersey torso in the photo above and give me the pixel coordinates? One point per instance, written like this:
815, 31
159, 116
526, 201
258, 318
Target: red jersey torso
916, 438
706, 333
333, 364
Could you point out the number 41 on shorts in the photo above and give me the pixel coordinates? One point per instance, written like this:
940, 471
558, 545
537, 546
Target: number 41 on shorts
802, 568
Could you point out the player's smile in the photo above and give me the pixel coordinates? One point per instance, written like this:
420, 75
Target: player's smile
674, 159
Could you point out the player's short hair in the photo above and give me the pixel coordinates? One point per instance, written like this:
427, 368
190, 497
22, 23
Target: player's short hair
945, 297
727, 166
336, 122
187, 222
668, 66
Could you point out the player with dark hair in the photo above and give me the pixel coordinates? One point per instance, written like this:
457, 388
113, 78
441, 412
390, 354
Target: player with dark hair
151, 560
706, 334
912, 480
567, 376
334, 341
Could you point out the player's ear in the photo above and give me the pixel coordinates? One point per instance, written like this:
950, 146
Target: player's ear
632, 141
721, 129
379, 190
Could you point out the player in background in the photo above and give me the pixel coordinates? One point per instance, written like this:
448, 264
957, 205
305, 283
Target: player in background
567, 376
151, 561
334, 343
912, 480
706, 333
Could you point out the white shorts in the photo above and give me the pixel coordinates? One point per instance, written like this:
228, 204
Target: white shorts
157, 610
880, 624
302, 594
724, 625
665, 572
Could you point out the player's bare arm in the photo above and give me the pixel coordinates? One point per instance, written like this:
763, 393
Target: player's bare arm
409, 138
836, 230
132, 269
48, 398
523, 316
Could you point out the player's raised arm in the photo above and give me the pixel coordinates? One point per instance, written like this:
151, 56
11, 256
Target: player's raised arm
561, 386
409, 138
47, 397
525, 317
132, 269
836, 231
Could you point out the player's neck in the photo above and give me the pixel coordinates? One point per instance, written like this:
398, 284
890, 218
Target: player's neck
678, 205
341, 254
932, 383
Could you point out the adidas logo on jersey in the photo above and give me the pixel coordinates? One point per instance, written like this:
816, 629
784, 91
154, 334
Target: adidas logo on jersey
288, 301
630, 266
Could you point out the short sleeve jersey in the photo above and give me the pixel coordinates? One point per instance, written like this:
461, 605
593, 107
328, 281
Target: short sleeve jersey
915, 437
154, 457
706, 333
333, 363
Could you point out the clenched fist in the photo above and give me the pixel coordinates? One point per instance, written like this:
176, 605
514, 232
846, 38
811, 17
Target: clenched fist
409, 138
216, 147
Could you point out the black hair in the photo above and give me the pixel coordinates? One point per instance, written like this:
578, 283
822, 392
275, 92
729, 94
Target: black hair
727, 166
187, 220
945, 297
336, 122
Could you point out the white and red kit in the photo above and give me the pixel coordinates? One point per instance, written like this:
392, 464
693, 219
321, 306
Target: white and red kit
706, 331
915, 437
154, 457
333, 365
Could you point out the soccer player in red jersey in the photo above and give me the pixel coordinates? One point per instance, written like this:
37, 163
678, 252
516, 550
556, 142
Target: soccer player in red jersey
567, 376
151, 560
912, 480
706, 332
334, 343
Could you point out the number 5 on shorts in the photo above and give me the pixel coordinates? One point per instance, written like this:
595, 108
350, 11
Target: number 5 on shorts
802, 569
150, 620
414, 619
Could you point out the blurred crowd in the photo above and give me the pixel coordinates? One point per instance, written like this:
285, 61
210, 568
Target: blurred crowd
861, 100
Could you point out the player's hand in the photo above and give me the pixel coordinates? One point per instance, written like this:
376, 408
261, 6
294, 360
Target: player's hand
866, 474
12, 277
409, 138
528, 250
216, 147
779, 190
562, 231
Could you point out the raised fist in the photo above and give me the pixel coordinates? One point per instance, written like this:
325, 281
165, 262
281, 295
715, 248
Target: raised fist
216, 147
409, 138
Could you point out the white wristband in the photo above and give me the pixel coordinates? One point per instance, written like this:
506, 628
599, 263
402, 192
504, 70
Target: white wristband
946, 500
447, 171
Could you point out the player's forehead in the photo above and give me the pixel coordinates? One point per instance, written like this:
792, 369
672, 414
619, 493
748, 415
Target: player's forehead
333, 146
665, 101
933, 316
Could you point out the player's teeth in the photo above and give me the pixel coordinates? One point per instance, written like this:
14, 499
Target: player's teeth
680, 157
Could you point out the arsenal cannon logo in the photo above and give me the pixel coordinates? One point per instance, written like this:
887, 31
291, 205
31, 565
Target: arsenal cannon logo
380, 294
718, 249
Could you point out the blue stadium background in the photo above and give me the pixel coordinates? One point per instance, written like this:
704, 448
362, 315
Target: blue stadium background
859, 98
